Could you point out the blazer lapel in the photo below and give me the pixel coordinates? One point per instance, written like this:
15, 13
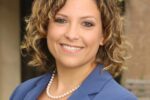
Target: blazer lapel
38, 88
92, 85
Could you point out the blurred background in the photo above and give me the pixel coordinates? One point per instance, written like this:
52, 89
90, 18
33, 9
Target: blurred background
13, 67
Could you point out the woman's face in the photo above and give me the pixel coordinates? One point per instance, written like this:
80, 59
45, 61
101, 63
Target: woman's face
75, 34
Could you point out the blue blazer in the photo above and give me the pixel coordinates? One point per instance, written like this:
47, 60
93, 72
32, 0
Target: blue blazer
99, 85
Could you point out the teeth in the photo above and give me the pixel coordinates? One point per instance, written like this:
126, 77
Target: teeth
71, 48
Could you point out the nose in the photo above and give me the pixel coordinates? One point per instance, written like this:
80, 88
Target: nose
72, 32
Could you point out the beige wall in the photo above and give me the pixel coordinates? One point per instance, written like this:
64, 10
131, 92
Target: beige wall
138, 30
9, 47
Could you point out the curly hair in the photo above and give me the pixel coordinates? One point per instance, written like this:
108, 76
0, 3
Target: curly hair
112, 54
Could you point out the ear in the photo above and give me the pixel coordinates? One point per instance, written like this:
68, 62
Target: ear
101, 43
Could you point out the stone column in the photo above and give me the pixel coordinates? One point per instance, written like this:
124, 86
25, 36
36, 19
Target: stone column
138, 32
9, 47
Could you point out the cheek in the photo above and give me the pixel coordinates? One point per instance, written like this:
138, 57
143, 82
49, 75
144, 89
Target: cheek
54, 33
93, 38
92, 42
53, 37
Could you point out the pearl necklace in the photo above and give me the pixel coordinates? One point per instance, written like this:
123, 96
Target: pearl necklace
60, 96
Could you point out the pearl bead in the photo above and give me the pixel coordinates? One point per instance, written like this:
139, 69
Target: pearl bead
60, 96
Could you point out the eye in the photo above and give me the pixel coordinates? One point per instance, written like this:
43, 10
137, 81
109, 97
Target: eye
60, 20
88, 24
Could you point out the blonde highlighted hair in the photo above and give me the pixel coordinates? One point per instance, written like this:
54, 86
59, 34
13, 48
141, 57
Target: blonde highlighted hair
112, 54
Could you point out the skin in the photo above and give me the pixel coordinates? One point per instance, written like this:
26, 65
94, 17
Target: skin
73, 38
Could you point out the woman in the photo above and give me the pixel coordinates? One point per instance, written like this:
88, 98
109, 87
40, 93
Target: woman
79, 44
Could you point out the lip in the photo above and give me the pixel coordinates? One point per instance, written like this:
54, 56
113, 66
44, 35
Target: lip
71, 49
72, 45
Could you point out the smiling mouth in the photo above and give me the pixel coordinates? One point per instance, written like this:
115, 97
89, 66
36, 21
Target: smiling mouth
70, 48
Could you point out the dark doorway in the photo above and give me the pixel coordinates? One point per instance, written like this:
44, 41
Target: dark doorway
27, 72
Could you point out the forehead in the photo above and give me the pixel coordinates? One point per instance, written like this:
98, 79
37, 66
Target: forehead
80, 7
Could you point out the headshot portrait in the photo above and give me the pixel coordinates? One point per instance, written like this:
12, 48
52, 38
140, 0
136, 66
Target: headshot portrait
79, 46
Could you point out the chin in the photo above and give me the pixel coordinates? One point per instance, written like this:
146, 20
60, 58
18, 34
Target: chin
71, 65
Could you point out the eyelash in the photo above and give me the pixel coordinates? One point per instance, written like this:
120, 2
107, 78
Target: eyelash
85, 23
60, 20
88, 24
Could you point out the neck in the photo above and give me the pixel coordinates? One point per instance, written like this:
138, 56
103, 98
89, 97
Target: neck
67, 78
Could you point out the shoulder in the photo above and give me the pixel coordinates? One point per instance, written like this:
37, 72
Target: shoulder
25, 87
113, 91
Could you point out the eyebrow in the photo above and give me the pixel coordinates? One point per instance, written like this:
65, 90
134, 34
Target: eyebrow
88, 16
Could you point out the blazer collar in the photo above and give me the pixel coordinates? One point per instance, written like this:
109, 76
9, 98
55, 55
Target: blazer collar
92, 85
